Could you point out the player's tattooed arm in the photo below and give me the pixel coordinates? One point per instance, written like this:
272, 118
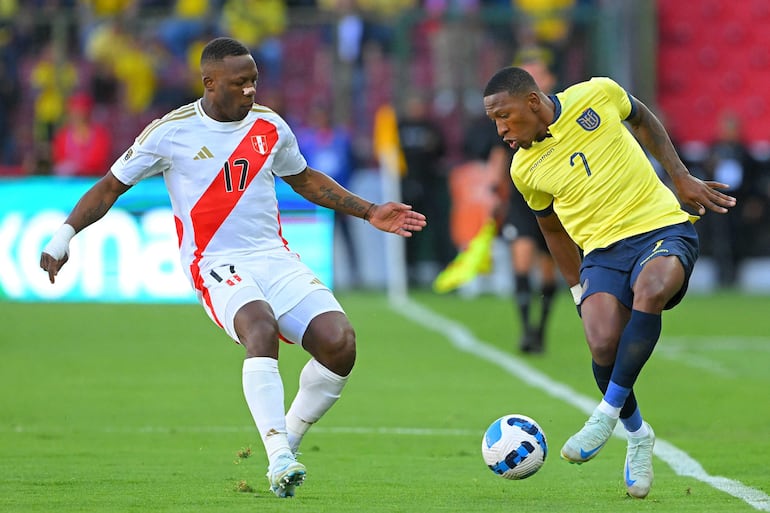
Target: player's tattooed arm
322, 190
696, 194
96, 202
653, 136
391, 217
90, 208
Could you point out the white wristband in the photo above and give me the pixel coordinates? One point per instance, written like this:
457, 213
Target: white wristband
59, 244
577, 293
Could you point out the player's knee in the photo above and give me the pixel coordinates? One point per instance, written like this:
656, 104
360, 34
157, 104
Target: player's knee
259, 337
652, 295
658, 283
603, 343
341, 348
333, 344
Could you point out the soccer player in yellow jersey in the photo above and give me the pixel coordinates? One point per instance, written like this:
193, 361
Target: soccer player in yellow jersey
588, 181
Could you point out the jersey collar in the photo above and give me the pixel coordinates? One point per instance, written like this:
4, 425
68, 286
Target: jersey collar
556, 107
556, 114
220, 126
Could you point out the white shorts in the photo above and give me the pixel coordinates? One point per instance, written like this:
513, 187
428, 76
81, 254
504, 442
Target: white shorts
291, 289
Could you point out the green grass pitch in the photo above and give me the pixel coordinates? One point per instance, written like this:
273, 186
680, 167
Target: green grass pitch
137, 408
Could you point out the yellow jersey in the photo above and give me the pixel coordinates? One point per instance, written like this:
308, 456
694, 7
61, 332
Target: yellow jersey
593, 172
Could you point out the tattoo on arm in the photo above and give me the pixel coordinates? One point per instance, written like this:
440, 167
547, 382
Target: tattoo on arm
324, 191
89, 215
653, 136
658, 136
329, 197
347, 204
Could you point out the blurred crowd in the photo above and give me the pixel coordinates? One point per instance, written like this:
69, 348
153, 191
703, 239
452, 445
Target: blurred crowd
79, 79
101, 61
732, 239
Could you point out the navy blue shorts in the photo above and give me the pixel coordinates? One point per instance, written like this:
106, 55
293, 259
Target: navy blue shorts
614, 269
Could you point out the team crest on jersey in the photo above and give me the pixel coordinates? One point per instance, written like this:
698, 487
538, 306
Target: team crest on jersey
589, 120
259, 143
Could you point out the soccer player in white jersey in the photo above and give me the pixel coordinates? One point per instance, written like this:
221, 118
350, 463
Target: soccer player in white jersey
590, 184
219, 157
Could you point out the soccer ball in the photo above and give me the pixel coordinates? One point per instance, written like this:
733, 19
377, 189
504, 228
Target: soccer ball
514, 447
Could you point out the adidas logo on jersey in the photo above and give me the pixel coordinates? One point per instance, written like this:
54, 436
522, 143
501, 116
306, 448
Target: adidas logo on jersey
203, 154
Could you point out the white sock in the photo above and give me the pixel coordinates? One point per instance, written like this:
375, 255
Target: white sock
608, 409
642, 431
263, 389
319, 389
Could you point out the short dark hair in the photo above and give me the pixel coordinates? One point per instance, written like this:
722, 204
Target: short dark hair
511, 80
221, 47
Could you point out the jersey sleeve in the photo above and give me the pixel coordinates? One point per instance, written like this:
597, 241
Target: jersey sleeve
541, 203
617, 96
143, 159
288, 158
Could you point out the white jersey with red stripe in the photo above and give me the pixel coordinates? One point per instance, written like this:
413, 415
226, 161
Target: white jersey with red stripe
220, 177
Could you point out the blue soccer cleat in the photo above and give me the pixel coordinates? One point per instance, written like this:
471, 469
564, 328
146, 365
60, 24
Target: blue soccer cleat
285, 475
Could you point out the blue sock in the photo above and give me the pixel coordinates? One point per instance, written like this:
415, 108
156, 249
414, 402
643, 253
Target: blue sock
616, 395
634, 422
602, 377
636, 344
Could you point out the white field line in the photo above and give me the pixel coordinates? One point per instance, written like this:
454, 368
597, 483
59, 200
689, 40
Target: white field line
461, 338
720, 344
682, 356
696, 352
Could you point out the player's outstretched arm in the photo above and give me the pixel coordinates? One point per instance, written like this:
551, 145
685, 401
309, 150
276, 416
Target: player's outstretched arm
693, 193
90, 208
322, 190
700, 195
397, 218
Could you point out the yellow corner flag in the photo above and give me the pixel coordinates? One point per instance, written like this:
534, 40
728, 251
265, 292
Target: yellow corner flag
476, 259
385, 137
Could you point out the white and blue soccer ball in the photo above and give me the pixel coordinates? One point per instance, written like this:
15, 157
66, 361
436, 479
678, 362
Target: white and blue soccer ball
514, 447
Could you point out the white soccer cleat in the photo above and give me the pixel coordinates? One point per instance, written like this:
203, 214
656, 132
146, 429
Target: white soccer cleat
637, 472
586, 443
284, 475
